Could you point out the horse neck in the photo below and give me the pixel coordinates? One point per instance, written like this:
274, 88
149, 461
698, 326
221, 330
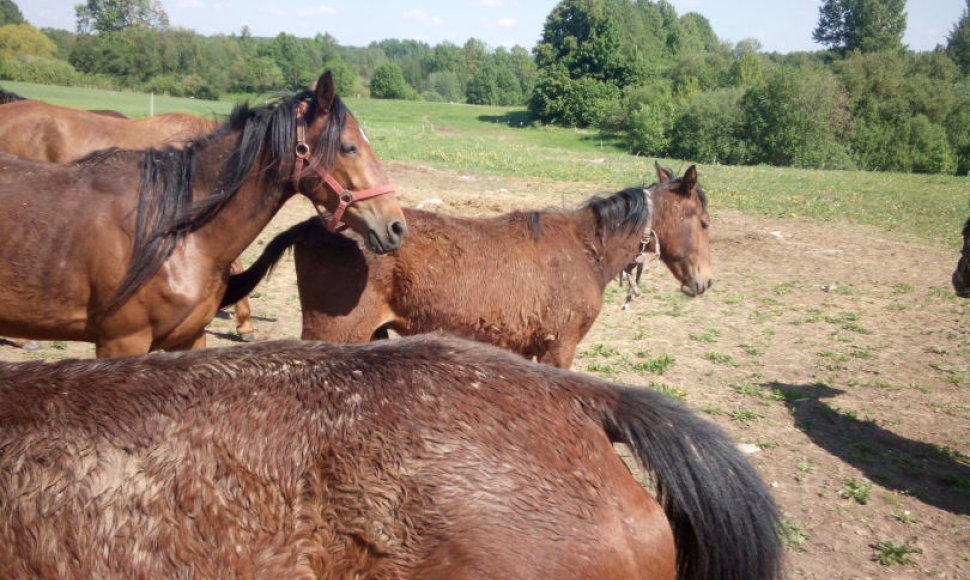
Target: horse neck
247, 213
609, 251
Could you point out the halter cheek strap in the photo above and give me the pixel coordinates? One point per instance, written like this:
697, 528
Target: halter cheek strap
345, 196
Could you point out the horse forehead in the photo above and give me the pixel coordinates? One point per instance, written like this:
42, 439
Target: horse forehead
363, 135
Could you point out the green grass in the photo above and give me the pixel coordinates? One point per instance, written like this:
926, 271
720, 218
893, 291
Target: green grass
492, 140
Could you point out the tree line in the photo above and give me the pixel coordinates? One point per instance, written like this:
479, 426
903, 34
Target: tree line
659, 83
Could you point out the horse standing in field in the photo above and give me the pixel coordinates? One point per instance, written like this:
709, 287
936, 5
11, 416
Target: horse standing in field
531, 282
961, 276
131, 250
425, 458
45, 132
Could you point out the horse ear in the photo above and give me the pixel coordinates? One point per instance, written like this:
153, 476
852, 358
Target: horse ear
690, 178
663, 174
325, 92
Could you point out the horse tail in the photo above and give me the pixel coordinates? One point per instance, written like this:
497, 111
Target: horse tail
723, 517
240, 285
9, 97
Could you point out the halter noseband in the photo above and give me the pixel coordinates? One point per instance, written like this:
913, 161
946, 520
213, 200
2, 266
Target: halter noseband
344, 195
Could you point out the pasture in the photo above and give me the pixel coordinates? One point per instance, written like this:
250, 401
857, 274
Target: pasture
831, 344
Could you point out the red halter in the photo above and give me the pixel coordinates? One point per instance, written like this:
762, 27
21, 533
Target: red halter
345, 195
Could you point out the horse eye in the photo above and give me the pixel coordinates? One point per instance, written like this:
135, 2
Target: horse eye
348, 149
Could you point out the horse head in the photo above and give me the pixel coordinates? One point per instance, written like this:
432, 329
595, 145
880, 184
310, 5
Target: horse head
682, 225
336, 168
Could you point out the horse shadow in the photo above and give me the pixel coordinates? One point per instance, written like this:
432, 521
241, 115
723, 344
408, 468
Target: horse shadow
936, 476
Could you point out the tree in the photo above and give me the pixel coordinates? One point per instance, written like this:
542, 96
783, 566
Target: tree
958, 42
10, 13
24, 40
388, 83
864, 25
116, 15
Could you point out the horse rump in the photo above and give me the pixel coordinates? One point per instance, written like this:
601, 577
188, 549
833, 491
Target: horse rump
424, 457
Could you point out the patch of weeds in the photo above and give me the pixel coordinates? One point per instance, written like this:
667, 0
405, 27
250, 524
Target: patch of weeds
803, 469
749, 390
672, 392
751, 350
889, 553
58, 344
599, 351
904, 516
764, 315
783, 288
846, 290
833, 356
745, 415
257, 294
719, 358
936, 350
765, 444
860, 352
898, 306
792, 534
713, 410
734, 299
598, 367
657, 366
856, 489
903, 288
710, 335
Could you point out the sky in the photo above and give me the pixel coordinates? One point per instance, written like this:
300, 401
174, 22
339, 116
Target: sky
779, 25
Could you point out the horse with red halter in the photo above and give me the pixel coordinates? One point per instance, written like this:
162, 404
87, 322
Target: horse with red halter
535, 282
961, 276
45, 132
421, 458
131, 250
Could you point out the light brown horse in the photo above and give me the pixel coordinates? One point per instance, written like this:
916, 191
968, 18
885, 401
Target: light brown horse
131, 249
961, 276
45, 132
425, 458
531, 282
39, 130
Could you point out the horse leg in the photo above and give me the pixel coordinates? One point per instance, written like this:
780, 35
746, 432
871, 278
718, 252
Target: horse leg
197, 342
559, 353
131, 345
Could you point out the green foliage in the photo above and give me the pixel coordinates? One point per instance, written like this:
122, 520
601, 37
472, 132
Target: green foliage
958, 42
388, 83
864, 25
794, 119
116, 15
708, 130
958, 131
39, 70
856, 489
18, 40
10, 13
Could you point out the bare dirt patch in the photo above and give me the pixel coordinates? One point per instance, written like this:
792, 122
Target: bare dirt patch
838, 352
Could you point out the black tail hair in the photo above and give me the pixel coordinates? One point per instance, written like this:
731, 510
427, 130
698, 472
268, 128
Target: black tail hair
722, 514
240, 285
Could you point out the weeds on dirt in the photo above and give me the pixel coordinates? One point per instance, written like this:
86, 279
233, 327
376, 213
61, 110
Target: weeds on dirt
793, 535
657, 366
889, 553
856, 489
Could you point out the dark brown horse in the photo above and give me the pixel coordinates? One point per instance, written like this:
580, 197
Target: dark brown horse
531, 282
421, 458
961, 276
131, 249
67, 131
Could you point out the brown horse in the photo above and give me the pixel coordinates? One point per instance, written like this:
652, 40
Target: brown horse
684, 246
420, 458
68, 132
39, 130
131, 249
961, 276
531, 282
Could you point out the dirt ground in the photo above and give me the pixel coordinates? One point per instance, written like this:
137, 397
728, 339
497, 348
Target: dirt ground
837, 355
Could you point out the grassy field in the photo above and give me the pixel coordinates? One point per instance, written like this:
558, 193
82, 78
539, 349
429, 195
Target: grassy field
495, 140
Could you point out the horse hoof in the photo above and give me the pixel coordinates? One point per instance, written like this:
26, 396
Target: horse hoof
248, 337
31, 345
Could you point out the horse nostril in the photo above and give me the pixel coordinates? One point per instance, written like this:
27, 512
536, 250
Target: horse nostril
398, 229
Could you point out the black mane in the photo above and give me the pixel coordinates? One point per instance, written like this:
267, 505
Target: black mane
623, 212
167, 211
